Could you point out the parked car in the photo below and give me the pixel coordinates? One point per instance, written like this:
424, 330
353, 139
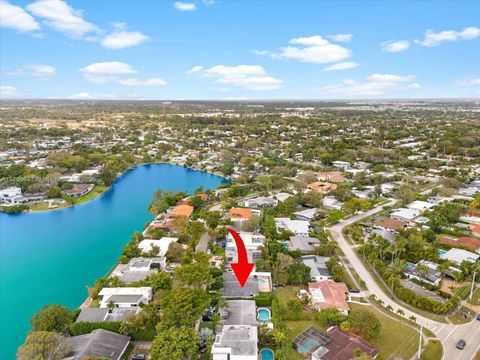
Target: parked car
461, 344
139, 357
354, 291
478, 317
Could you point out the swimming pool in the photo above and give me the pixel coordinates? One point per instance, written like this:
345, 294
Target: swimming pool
263, 314
266, 354
441, 252
261, 281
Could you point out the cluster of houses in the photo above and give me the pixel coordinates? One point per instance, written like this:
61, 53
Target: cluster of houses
13, 196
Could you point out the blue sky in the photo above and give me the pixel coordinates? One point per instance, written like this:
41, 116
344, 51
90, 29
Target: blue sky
239, 49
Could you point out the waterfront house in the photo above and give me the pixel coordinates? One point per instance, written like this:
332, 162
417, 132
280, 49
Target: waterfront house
137, 269
99, 344
326, 294
125, 297
236, 342
147, 245
182, 210
79, 190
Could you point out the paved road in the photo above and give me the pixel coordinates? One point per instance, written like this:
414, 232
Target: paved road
202, 245
447, 333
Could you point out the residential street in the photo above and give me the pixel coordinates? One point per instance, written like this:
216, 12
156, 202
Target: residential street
447, 333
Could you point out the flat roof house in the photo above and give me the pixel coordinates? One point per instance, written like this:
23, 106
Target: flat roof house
298, 227
138, 269
405, 214
420, 205
307, 214
236, 342
318, 266
99, 343
125, 297
239, 312
163, 244
458, 256
261, 201
329, 294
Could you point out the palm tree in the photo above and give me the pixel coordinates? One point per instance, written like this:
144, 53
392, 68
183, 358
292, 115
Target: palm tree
412, 318
400, 312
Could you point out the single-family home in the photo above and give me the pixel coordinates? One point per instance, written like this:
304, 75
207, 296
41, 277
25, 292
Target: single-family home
298, 227
162, 244
252, 243
99, 343
303, 243
330, 203
321, 186
420, 205
138, 269
326, 294
182, 210
236, 342
457, 256
240, 215
472, 243
390, 224
125, 297
259, 202
405, 214
239, 312
331, 176
318, 266
79, 190
307, 214
7, 194
424, 271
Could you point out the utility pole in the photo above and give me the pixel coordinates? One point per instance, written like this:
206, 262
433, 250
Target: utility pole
473, 285
420, 342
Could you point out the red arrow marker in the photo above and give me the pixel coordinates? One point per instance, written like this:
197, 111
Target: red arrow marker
243, 268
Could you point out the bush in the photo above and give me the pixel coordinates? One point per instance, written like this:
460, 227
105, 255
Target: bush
82, 327
263, 299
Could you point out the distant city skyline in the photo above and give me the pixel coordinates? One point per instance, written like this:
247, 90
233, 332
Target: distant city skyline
233, 50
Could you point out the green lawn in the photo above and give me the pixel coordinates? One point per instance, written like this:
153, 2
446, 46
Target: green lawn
434, 351
475, 297
284, 294
459, 318
396, 339
97, 190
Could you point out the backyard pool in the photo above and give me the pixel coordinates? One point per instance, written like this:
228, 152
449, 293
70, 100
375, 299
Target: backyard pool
266, 354
441, 252
261, 281
263, 314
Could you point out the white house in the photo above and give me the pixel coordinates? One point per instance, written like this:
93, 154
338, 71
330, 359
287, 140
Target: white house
420, 205
9, 194
308, 214
236, 342
330, 203
405, 214
298, 227
163, 244
458, 256
125, 297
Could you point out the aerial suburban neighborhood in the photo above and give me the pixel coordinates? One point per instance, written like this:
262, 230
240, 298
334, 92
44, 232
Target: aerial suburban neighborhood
353, 242
239, 180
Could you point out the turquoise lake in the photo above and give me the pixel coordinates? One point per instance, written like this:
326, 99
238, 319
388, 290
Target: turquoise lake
50, 257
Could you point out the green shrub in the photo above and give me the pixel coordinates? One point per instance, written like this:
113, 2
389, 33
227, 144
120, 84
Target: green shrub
263, 299
82, 327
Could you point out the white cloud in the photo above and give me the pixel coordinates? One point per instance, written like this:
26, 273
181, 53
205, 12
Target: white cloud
195, 69
341, 66
475, 81
103, 72
468, 82
251, 77
137, 82
341, 37
58, 15
313, 49
88, 96
395, 45
376, 85
121, 38
14, 17
183, 6
433, 39
7, 91
35, 70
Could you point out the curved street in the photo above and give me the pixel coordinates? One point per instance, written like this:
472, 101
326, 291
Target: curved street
448, 334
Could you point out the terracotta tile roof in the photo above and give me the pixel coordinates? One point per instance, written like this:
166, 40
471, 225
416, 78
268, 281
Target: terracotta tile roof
240, 213
390, 223
475, 229
321, 186
182, 210
330, 294
343, 345
332, 176
469, 242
